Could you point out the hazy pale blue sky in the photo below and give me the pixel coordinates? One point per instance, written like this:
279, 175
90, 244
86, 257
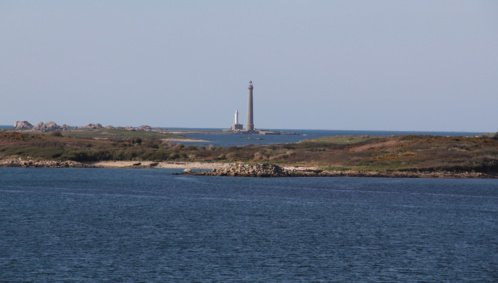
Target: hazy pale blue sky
351, 65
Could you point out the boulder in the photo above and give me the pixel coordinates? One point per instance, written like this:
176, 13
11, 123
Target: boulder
109, 127
38, 127
145, 128
258, 170
46, 127
22, 125
93, 126
248, 170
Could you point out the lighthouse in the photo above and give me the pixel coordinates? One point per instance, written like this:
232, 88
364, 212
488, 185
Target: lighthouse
236, 126
250, 122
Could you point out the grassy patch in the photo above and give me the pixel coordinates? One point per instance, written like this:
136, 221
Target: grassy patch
44, 153
119, 134
331, 153
336, 168
341, 139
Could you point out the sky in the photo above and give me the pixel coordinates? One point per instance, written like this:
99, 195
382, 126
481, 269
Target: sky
336, 65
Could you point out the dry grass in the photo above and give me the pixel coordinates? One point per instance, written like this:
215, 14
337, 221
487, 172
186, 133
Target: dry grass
366, 153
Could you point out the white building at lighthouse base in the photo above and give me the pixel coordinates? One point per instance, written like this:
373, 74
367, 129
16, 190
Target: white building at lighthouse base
236, 126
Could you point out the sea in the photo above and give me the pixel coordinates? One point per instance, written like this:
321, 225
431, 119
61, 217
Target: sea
227, 140
149, 225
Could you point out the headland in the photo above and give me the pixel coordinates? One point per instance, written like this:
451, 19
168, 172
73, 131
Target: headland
363, 156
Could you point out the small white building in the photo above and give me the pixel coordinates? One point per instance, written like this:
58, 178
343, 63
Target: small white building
236, 126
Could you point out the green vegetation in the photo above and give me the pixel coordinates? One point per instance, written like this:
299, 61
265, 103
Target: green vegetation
430, 153
341, 139
118, 134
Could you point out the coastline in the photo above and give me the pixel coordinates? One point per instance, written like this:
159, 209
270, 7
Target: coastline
183, 140
158, 165
227, 169
19, 162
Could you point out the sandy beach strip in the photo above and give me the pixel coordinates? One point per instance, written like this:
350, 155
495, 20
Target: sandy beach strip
183, 140
161, 165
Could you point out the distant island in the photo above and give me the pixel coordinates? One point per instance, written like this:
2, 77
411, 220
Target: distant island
26, 126
373, 156
238, 128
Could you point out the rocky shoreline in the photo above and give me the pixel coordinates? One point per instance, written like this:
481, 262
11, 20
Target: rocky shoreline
240, 169
271, 170
19, 162
52, 126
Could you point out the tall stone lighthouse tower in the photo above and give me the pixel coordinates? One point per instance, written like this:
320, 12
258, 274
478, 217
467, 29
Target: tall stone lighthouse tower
250, 122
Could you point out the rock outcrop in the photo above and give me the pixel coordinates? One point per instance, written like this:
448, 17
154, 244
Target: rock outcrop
46, 127
93, 126
40, 127
271, 170
145, 128
22, 125
52, 126
254, 170
19, 162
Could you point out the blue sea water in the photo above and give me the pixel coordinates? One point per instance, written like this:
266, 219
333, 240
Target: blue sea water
131, 225
236, 140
